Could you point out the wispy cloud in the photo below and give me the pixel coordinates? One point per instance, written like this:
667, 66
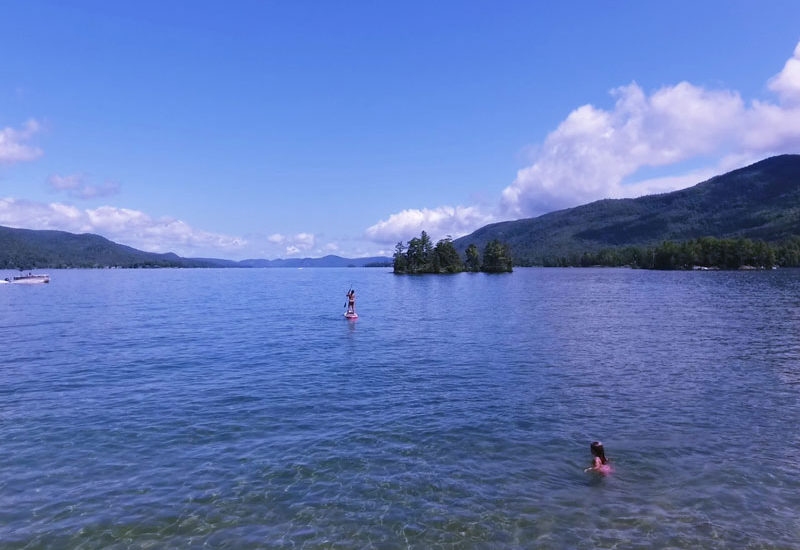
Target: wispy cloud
279, 245
13, 146
294, 245
304, 241
77, 186
123, 225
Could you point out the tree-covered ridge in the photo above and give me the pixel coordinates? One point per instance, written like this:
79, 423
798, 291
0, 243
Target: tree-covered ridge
420, 255
759, 202
706, 252
31, 249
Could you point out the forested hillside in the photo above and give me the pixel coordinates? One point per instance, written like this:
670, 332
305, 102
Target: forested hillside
30, 249
760, 202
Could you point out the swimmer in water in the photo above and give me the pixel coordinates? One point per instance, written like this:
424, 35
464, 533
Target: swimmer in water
599, 461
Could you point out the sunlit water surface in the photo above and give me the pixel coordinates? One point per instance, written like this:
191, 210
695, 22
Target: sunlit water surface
239, 409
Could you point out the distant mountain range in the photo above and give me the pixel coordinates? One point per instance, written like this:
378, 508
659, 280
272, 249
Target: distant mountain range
325, 261
31, 249
760, 201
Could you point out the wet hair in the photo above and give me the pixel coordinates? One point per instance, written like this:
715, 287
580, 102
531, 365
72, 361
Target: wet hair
598, 451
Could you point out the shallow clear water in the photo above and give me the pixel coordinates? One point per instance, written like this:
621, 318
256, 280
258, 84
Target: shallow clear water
239, 409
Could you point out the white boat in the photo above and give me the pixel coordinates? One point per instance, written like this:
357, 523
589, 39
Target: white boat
29, 279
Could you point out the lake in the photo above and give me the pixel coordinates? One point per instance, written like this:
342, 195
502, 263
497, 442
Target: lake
237, 408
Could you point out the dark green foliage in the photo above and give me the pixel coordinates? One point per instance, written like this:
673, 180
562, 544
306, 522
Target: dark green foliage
31, 249
400, 259
422, 257
788, 253
426, 247
418, 257
446, 258
724, 254
759, 202
667, 256
378, 264
706, 252
473, 259
496, 258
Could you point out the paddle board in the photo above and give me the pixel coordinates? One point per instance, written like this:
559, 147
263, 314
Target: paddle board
351, 315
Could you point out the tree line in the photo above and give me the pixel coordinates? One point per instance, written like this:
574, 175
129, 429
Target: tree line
420, 255
703, 252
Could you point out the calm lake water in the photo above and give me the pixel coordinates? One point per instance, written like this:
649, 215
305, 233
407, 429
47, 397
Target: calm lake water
238, 409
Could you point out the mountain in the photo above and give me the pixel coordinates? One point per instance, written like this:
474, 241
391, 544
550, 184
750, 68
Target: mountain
325, 261
29, 249
760, 201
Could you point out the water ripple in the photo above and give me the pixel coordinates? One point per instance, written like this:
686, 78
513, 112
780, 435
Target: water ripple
174, 408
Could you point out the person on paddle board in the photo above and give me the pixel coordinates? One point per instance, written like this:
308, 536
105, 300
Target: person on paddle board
351, 302
599, 461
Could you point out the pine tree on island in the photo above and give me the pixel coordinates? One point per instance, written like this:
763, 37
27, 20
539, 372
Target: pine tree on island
446, 258
419, 255
473, 261
496, 257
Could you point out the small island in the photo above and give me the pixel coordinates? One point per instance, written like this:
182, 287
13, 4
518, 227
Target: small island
420, 256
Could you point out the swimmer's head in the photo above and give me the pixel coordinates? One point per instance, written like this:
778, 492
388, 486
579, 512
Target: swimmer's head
598, 451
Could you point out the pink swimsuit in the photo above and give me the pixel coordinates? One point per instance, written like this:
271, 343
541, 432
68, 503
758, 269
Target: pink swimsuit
599, 467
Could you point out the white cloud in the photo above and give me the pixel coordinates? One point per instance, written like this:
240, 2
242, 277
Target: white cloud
787, 83
121, 225
438, 222
278, 245
590, 154
597, 153
12, 143
302, 242
76, 186
594, 152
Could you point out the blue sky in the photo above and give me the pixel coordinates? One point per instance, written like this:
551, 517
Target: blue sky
277, 129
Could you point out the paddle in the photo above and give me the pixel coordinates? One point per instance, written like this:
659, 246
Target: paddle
348, 296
